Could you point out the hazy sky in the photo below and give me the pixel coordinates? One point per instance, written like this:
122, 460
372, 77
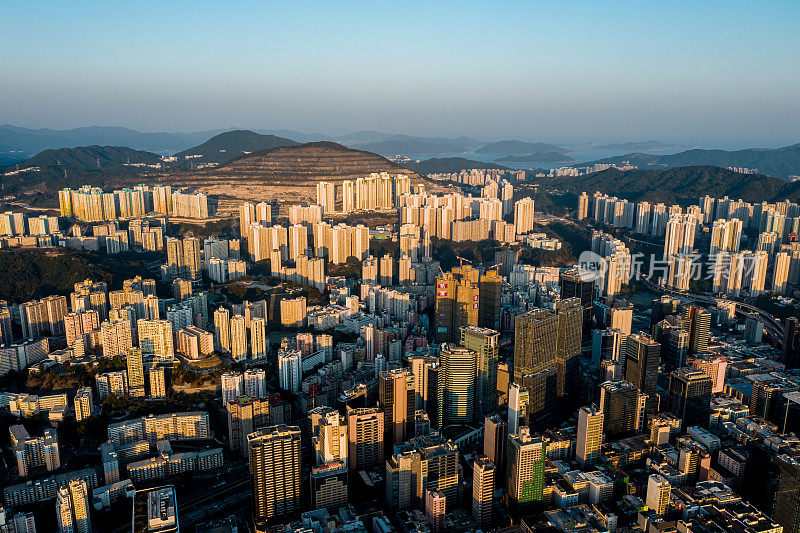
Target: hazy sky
722, 73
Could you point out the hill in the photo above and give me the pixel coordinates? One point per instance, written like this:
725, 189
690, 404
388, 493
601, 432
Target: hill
443, 165
778, 162
643, 146
71, 167
287, 173
543, 157
682, 185
518, 147
32, 141
230, 145
405, 144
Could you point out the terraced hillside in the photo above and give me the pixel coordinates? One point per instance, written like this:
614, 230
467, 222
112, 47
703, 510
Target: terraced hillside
287, 173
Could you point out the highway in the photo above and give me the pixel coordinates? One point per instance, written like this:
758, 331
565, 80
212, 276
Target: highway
772, 326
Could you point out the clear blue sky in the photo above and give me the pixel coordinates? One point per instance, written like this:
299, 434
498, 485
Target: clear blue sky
723, 73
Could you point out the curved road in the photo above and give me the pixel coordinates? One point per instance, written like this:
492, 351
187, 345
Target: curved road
771, 324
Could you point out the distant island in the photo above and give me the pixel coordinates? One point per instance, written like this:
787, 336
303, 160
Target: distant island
518, 147
543, 157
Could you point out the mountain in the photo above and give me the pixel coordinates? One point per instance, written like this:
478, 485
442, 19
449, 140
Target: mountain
363, 137
232, 144
518, 147
287, 173
406, 144
72, 167
296, 135
542, 157
682, 185
447, 165
778, 162
30, 141
644, 146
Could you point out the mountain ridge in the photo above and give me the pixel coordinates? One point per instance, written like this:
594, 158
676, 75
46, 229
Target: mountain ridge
232, 144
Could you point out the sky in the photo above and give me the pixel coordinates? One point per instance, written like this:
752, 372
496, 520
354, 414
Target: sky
712, 73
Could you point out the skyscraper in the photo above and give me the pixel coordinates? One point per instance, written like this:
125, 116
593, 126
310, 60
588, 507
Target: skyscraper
274, 454
135, 365
577, 283
535, 340
658, 491
396, 398
526, 460
791, 342
517, 407
495, 437
72, 508
642, 357
155, 338
222, 330
245, 415
590, 435
484, 342
483, 477
787, 494
290, 369
490, 288
623, 408
366, 434
699, 329
328, 435
690, 396
456, 385
569, 314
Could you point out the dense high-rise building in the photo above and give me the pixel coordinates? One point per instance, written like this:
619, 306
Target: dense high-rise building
535, 341
328, 435
642, 357
274, 455
623, 408
238, 330
590, 435
72, 507
365, 434
791, 342
485, 343
542, 392
456, 385
689, 396
84, 403
222, 330
290, 369
329, 485
158, 381
155, 338
517, 407
232, 386
495, 437
700, 329
577, 283
245, 415
135, 364
483, 477
583, 206
523, 216
787, 494
569, 314
396, 398
525, 473
457, 302
490, 288
658, 491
